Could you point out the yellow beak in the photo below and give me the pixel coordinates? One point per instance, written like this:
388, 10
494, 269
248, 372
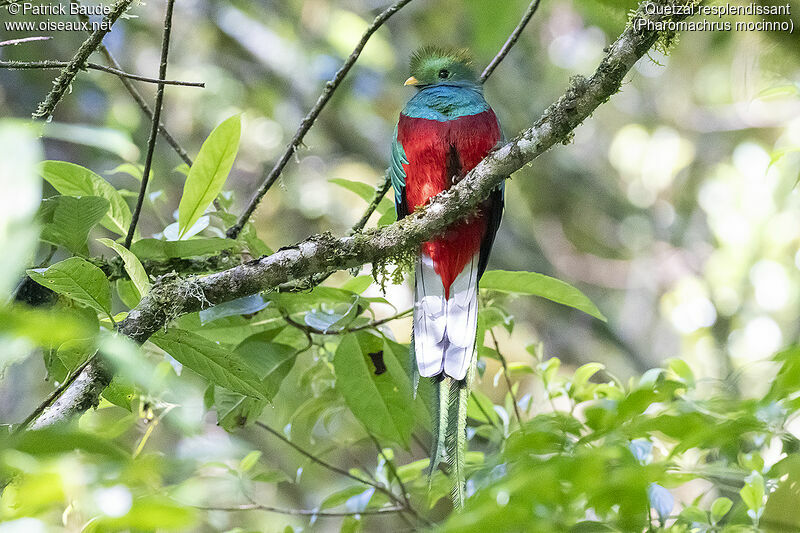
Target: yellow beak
411, 81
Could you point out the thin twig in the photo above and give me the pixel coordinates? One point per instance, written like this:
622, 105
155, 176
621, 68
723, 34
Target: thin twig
45, 109
380, 191
151, 142
49, 64
139, 99
391, 468
393, 471
303, 512
491, 419
14, 42
309, 119
505, 374
369, 325
329, 466
511, 41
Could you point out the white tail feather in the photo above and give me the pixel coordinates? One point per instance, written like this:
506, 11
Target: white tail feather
444, 330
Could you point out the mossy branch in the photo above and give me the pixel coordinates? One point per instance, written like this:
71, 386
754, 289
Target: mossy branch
45, 109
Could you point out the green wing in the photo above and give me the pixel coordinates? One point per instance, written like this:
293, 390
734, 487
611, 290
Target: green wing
398, 176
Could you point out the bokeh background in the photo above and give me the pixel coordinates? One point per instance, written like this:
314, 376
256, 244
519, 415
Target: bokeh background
675, 206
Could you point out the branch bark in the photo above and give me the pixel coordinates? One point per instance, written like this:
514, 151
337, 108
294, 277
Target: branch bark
512, 40
138, 98
45, 109
50, 64
321, 254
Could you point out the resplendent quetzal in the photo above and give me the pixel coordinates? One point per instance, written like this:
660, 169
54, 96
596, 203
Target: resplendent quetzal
443, 132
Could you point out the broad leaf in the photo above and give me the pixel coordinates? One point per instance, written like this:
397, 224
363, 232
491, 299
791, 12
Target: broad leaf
209, 172
208, 359
234, 410
270, 361
74, 180
79, 280
540, 285
247, 305
67, 220
379, 401
358, 187
158, 249
133, 267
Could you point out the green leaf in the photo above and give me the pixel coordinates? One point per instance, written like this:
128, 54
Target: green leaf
584, 373
270, 476
130, 169
753, 492
380, 402
149, 513
208, 359
133, 267
358, 284
158, 249
79, 280
342, 496
481, 408
74, 180
44, 327
694, 514
720, 508
235, 411
120, 392
270, 361
366, 192
51, 442
680, 368
249, 461
388, 217
115, 141
209, 172
67, 220
781, 509
540, 285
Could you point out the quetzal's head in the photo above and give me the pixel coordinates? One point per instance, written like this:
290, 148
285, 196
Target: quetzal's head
432, 65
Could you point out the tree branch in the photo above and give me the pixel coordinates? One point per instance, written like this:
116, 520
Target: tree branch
505, 374
151, 142
331, 467
309, 119
45, 109
303, 512
138, 98
511, 41
324, 253
14, 42
49, 64
380, 191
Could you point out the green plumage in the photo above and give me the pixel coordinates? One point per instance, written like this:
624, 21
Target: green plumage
450, 430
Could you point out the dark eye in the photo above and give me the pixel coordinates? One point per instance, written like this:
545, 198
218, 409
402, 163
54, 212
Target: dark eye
444, 74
